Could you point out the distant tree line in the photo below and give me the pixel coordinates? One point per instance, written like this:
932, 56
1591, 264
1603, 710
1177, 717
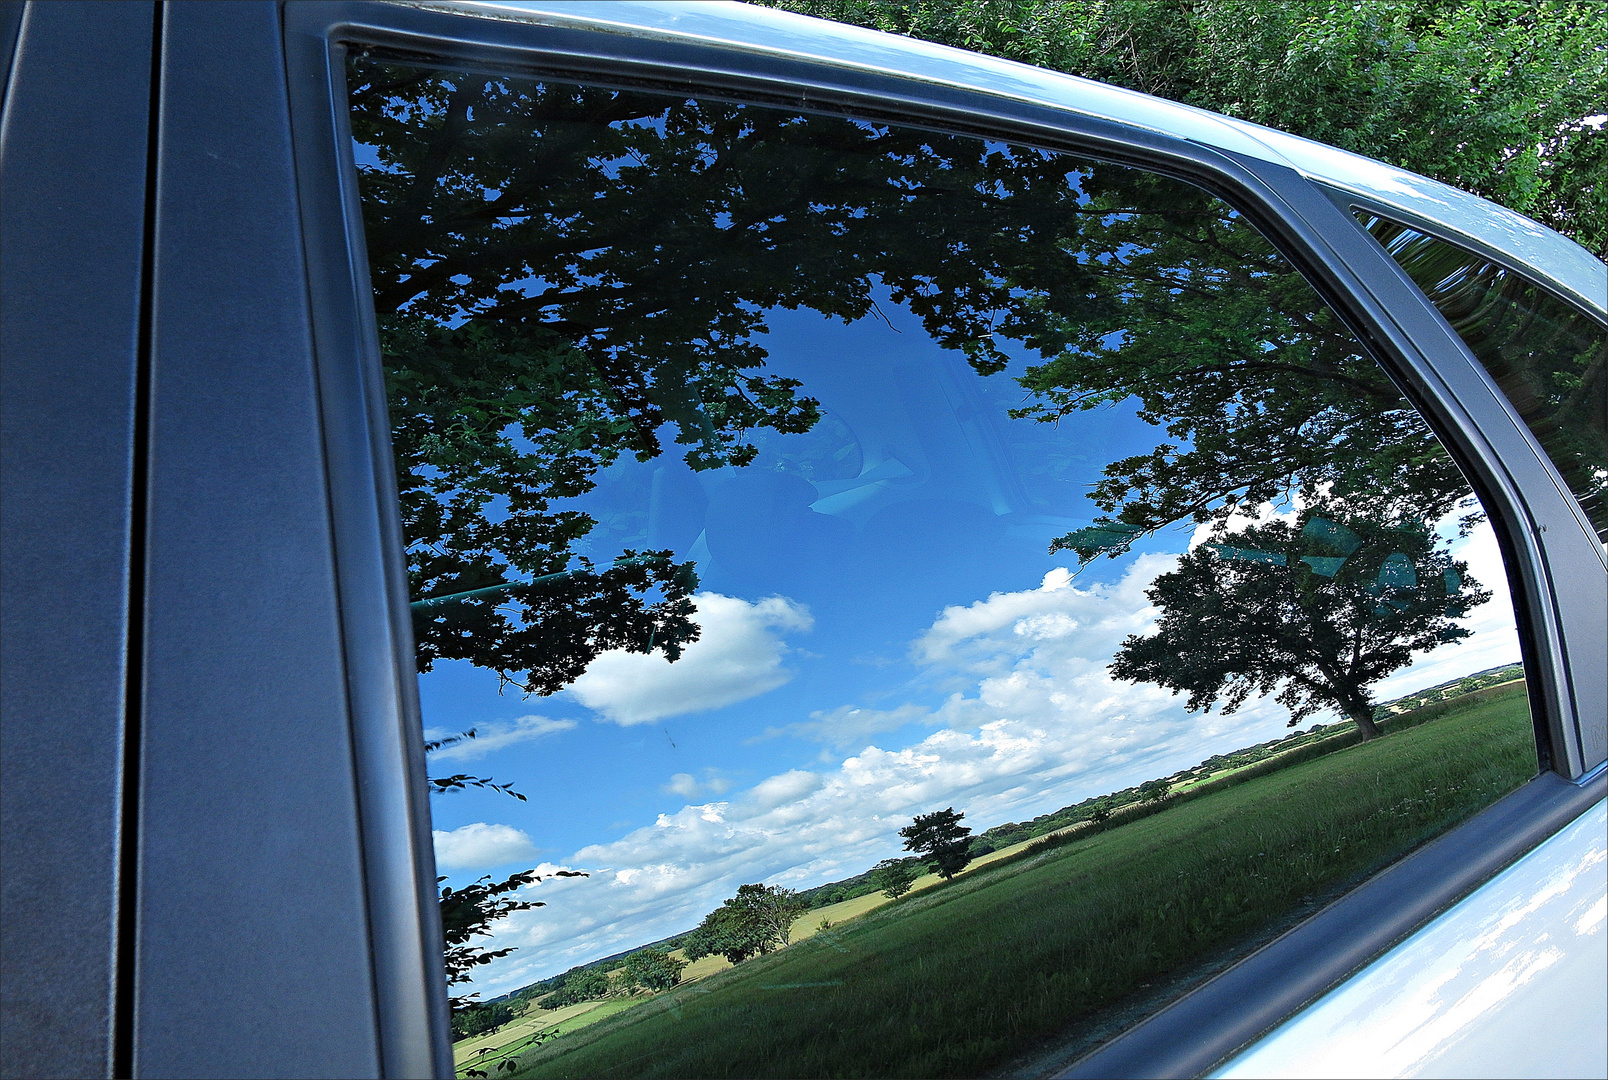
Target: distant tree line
650, 968
476, 1019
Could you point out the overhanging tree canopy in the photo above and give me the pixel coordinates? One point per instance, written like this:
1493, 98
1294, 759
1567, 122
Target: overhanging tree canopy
565, 275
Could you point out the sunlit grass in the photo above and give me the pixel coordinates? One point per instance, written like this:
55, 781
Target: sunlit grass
1029, 953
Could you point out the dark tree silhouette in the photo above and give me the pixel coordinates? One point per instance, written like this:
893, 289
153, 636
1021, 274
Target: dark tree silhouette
1317, 613
941, 839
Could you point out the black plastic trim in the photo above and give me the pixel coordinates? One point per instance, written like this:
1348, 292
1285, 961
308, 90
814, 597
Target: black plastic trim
1209, 1025
72, 256
406, 941
124, 973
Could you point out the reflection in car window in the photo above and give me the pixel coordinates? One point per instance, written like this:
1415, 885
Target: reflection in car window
890, 565
1547, 357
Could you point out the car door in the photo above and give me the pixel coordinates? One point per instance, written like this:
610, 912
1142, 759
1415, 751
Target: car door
263, 828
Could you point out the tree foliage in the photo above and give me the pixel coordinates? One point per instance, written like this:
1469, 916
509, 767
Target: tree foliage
468, 913
755, 921
941, 840
1494, 96
1317, 612
643, 238
477, 1019
895, 876
580, 984
653, 969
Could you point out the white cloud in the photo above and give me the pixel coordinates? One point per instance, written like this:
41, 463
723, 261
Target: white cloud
738, 655
848, 725
683, 784
497, 735
481, 846
690, 787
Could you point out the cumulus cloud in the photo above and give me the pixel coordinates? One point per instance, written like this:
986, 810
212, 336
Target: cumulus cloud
479, 846
1049, 626
497, 735
738, 655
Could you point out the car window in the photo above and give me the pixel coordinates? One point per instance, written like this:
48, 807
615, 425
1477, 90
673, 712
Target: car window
933, 599
1547, 356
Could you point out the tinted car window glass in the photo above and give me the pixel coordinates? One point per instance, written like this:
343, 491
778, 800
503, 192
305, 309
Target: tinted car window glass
1547, 356
945, 596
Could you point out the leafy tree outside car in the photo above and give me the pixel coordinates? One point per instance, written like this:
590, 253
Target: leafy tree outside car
755, 921
941, 840
1497, 97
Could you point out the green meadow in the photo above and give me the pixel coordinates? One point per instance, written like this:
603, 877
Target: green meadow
1029, 959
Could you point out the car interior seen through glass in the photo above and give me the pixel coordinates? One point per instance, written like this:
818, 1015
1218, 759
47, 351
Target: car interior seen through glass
934, 600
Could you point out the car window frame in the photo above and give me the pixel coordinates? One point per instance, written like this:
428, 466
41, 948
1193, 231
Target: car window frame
1372, 296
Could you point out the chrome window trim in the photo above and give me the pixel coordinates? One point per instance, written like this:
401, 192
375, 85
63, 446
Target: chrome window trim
1352, 273
1350, 200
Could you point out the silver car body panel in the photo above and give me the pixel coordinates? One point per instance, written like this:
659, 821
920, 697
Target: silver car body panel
1560, 262
1467, 994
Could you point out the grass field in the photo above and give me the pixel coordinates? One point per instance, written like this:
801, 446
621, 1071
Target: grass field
1034, 954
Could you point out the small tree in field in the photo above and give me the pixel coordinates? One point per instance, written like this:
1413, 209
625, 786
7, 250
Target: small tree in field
941, 839
1318, 613
895, 876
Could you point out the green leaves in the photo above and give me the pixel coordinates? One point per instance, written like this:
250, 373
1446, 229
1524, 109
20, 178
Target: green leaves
753, 922
1488, 95
941, 840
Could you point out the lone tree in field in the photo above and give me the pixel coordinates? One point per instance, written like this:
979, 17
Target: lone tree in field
941, 839
755, 921
1319, 613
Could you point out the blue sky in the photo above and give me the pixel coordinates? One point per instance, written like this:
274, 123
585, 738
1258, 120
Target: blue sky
884, 633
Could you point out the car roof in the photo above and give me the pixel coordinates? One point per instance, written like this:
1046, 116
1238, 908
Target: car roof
1553, 258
